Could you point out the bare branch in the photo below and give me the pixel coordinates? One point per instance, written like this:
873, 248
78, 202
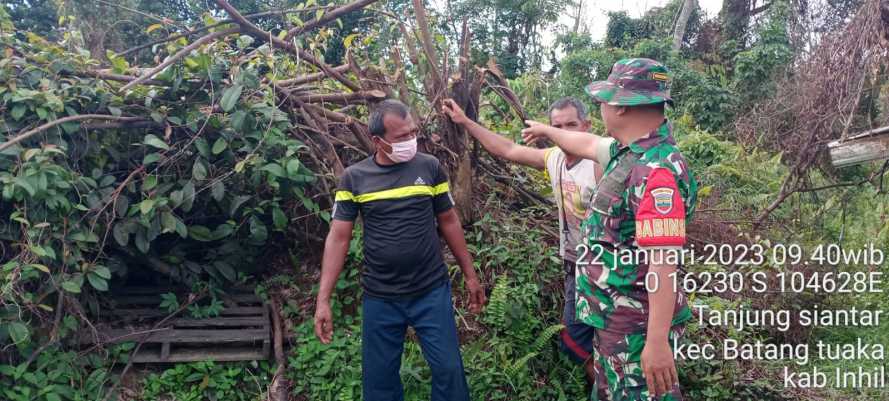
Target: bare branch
21, 137
310, 77
428, 47
328, 17
118, 77
266, 36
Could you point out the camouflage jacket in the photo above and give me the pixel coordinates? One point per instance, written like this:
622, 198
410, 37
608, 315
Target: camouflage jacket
649, 201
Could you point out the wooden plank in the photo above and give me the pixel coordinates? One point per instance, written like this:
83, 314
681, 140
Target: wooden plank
187, 336
165, 351
145, 313
236, 321
195, 355
861, 148
154, 299
146, 290
266, 349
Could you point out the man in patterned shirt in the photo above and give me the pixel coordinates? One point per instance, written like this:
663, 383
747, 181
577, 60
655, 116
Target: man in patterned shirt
573, 180
643, 203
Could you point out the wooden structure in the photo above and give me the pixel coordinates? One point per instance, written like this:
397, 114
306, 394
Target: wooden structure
860, 148
241, 332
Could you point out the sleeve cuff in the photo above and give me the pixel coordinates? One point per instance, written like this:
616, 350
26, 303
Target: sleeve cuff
603, 150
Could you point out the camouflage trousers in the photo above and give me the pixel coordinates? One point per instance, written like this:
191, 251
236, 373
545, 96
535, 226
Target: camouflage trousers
616, 361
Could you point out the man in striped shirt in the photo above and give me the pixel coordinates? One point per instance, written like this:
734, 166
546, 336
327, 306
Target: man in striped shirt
405, 204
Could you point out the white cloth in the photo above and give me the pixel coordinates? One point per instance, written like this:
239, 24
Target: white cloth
578, 183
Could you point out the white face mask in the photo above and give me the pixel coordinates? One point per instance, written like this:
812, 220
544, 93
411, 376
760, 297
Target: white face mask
402, 151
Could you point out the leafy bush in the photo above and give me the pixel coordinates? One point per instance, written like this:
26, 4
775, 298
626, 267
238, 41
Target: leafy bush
189, 185
209, 381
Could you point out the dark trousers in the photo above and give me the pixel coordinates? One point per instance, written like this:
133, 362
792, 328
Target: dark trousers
576, 339
383, 330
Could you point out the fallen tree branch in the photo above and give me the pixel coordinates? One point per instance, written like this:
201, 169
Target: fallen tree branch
179, 55
266, 36
328, 17
21, 137
358, 129
118, 77
343, 97
310, 77
279, 387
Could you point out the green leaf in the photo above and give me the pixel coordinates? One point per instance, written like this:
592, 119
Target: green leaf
156, 142
293, 167
71, 286
102, 272
219, 146
202, 146
274, 169
168, 222
237, 120
121, 235
146, 206
217, 191
188, 196
142, 243
18, 332
38, 250
198, 171
24, 184
122, 205
149, 183
97, 282
18, 111
40, 267
181, 229
150, 158
176, 198
200, 233
81, 236
258, 231
223, 230
236, 203
279, 218
119, 64
226, 270
230, 97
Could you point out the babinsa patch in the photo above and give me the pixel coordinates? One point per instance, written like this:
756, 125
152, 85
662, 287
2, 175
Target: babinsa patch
663, 199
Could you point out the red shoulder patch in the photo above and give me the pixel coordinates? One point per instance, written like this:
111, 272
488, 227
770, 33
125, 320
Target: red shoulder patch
660, 219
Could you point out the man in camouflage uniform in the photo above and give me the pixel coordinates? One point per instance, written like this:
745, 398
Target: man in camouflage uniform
635, 233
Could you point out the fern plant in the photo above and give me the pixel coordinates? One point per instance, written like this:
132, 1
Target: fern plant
536, 348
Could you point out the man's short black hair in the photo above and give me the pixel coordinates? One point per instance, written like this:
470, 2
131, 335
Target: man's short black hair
384, 108
567, 102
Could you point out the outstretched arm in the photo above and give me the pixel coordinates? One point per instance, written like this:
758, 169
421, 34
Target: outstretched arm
496, 144
582, 144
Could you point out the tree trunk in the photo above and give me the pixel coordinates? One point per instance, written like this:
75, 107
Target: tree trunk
682, 22
465, 90
578, 16
735, 16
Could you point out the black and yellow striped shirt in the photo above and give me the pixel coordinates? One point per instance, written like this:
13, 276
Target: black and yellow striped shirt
398, 205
